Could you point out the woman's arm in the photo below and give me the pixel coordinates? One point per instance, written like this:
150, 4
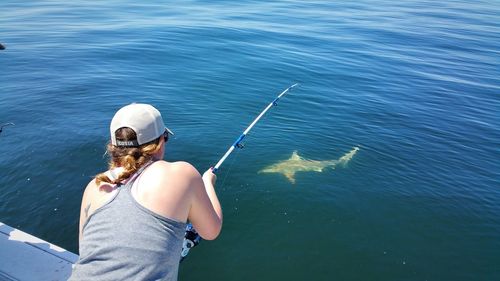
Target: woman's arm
205, 213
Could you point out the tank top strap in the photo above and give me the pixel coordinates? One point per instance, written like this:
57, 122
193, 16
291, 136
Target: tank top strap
136, 176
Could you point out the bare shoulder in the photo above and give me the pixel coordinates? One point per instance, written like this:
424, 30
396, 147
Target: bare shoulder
178, 169
94, 196
169, 188
93, 189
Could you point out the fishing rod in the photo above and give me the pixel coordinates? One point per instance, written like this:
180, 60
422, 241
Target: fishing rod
237, 143
191, 237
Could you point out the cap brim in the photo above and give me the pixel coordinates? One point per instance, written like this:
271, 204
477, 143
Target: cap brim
169, 131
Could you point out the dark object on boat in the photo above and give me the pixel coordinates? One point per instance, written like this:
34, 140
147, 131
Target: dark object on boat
6, 124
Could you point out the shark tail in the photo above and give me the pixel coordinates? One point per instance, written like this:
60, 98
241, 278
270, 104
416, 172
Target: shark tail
348, 156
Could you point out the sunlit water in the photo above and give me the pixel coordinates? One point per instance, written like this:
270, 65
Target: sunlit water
415, 85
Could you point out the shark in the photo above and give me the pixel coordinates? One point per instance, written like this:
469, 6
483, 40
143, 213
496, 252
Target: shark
297, 163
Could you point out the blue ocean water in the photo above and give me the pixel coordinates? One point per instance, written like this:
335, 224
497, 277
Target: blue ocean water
414, 84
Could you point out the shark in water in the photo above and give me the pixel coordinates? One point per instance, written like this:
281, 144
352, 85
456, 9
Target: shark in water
297, 163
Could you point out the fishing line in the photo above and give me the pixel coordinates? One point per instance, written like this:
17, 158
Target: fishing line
230, 167
191, 238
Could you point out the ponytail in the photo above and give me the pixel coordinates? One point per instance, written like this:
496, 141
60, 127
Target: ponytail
130, 159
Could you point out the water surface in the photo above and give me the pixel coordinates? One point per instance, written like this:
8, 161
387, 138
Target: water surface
414, 84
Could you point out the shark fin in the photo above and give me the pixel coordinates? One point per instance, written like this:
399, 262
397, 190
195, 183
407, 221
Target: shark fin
295, 156
290, 177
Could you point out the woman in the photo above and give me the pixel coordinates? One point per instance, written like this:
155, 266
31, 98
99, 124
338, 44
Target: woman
133, 216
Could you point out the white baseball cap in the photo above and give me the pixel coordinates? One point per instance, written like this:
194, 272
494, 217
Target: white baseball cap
144, 119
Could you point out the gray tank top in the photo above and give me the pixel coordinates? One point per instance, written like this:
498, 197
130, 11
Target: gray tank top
123, 240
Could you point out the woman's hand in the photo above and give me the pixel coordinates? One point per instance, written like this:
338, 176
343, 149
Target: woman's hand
209, 176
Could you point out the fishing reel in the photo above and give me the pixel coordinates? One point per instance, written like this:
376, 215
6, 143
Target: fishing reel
191, 239
240, 145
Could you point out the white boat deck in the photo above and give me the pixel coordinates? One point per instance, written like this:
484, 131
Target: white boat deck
26, 257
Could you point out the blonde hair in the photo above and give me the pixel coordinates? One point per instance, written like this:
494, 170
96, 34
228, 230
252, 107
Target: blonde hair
130, 159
